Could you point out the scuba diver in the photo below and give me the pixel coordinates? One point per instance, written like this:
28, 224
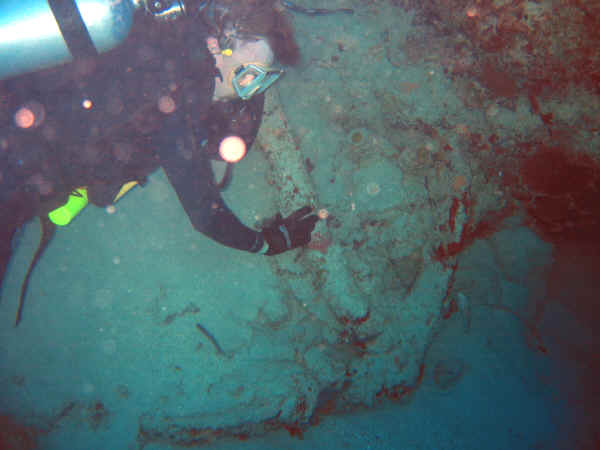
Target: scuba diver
87, 121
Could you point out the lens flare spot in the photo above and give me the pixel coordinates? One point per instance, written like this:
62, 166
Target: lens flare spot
232, 149
323, 214
24, 118
166, 104
373, 188
31, 114
472, 12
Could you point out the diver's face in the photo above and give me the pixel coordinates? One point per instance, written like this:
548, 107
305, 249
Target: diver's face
244, 52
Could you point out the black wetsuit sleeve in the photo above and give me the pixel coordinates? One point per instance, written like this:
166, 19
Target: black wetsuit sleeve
193, 181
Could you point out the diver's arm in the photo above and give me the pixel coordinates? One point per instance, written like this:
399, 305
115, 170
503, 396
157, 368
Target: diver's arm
201, 199
193, 181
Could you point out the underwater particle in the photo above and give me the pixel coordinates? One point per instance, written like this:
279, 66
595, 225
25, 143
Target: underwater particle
492, 110
232, 149
323, 214
472, 12
373, 188
31, 114
116, 260
24, 118
166, 104
356, 137
110, 209
86, 103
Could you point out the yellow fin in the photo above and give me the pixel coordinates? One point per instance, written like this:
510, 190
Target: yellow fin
124, 190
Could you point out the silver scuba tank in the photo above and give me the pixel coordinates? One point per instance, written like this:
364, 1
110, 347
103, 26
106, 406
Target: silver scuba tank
36, 34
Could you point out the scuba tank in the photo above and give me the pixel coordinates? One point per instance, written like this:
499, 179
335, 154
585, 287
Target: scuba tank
37, 34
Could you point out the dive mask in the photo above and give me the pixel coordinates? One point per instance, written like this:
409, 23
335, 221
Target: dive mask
251, 79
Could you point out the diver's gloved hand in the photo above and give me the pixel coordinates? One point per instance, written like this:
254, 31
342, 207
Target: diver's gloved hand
293, 231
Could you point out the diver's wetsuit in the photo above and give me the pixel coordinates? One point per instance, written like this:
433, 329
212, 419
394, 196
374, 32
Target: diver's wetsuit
123, 136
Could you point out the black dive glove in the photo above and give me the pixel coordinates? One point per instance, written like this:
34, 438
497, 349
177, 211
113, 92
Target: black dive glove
291, 232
